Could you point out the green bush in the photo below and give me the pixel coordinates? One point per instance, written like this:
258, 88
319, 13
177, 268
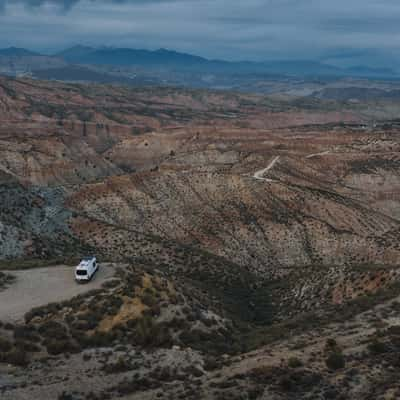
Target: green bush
335, 361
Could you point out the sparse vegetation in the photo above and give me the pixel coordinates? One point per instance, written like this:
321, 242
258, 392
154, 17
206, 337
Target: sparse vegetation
226, 287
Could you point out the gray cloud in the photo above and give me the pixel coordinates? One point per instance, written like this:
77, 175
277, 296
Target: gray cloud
231, 29
67, 4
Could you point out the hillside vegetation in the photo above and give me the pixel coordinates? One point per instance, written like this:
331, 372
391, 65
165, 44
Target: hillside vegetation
255, 239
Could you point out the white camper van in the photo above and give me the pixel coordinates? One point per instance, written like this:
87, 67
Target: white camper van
86, 269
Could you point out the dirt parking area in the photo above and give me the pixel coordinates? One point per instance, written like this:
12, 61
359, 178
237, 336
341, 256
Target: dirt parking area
38, 287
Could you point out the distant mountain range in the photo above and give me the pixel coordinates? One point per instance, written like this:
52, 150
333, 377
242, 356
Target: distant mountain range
15, 60
17, 52
123, 56
168, 58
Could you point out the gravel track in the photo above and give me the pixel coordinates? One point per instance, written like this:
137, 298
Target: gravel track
38, 287
260, 174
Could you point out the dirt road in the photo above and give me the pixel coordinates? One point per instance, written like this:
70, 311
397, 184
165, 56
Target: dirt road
38, 287
260, 174
323, 153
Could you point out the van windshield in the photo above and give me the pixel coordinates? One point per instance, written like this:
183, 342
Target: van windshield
81, 272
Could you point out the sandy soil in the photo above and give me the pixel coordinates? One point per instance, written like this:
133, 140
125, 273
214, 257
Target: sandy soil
38, 287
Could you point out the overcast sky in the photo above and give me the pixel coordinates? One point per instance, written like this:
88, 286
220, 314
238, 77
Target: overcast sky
336, 31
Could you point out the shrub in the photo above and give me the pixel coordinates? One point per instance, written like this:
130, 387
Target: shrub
65, 396
394, 330
335, 361
331, 344
121, 365
97, 339
28, 347
92, 319
9, 326
148, 299
53, 330
192, 370
110, 284
61, 346
210, 363
377, 347
5, 280
147, 333
294, 362
299, 380
263, 374
163, 374
113, 305
26, 332
15, 357
82, 325
40, 312
287, 384
5, 345
135, 385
